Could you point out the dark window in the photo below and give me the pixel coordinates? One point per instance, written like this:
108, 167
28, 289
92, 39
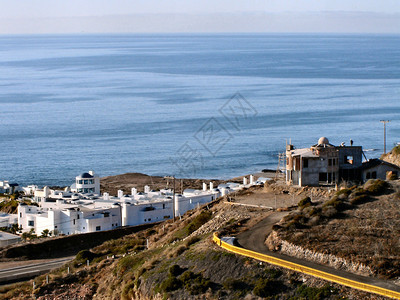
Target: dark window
305, 163
329, 177
78, 217
31, 223
297, 160
55, 226
368, 175
20, 214
322, 177
74, 221
348, 159
98, 228
163, 206
330, 162
374, 174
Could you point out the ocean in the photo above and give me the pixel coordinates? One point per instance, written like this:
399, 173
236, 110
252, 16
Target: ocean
189, 105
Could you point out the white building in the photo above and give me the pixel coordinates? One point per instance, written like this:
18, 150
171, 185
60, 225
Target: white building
8, 188
8, 239
69, 212
87, 183
6, 220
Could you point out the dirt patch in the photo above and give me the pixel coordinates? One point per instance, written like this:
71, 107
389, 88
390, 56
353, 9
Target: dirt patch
126, 182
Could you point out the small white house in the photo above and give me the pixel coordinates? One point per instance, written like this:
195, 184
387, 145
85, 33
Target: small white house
87, 183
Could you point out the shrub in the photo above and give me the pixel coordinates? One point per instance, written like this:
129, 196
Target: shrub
396, 150
343, 194
180, 250
234, 284
273, 273
175, 270
336, 203
170, 284
198, 221
85, 255
304, 202
375, 187
359, 199
195, 283
192, 241
306, 292
267, 287
329, 211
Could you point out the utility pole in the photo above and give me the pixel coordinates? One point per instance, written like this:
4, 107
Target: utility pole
384, 134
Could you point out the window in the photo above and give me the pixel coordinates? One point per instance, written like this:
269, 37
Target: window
330, 162
55, 226
348, 159
78, 216
368, 175
85, 181
163, 206
305, 163
323, 177
373, 175
334, 161
98, 228
74, 221
20, 215
31, 223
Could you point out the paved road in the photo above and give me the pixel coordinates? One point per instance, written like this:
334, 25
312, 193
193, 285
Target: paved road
253, 239
29, 271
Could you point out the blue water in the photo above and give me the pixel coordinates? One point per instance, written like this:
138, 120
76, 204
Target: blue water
156, 103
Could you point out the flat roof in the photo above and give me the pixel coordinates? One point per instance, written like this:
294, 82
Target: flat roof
8, 236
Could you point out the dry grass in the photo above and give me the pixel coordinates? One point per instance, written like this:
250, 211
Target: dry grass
361, 228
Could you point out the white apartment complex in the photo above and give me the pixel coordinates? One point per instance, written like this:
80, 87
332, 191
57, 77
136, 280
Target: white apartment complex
70, 211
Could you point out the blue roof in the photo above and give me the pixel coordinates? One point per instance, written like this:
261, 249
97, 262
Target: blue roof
85, 175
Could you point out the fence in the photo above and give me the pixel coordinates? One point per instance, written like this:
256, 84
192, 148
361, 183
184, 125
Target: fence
307, 270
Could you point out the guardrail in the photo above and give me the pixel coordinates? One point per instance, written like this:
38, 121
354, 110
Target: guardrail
306, 270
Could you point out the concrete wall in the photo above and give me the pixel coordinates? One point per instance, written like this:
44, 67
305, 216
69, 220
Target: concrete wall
380, 170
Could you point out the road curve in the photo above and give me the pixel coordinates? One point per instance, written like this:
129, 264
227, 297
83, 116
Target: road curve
20, 273
254, 238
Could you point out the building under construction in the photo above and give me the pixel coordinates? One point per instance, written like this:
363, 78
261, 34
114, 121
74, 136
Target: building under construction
323, 164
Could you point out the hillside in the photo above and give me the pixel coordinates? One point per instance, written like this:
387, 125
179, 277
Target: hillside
356, 230
393, 156
181, 262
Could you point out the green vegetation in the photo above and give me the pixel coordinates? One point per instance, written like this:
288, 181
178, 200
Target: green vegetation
9, 206
306, 292
265, 287
198, 221
376, 186
396, 150
304, 202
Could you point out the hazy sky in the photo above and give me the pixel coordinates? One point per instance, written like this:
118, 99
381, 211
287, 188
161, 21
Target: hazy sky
70, 16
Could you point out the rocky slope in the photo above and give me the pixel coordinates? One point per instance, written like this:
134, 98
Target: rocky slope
393, 156
178, 260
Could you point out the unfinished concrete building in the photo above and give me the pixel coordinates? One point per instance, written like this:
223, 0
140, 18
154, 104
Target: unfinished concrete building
323, 164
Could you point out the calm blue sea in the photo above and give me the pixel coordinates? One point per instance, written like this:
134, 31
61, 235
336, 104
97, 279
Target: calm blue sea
212, 106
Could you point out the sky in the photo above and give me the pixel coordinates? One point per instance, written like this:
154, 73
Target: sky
101, 16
